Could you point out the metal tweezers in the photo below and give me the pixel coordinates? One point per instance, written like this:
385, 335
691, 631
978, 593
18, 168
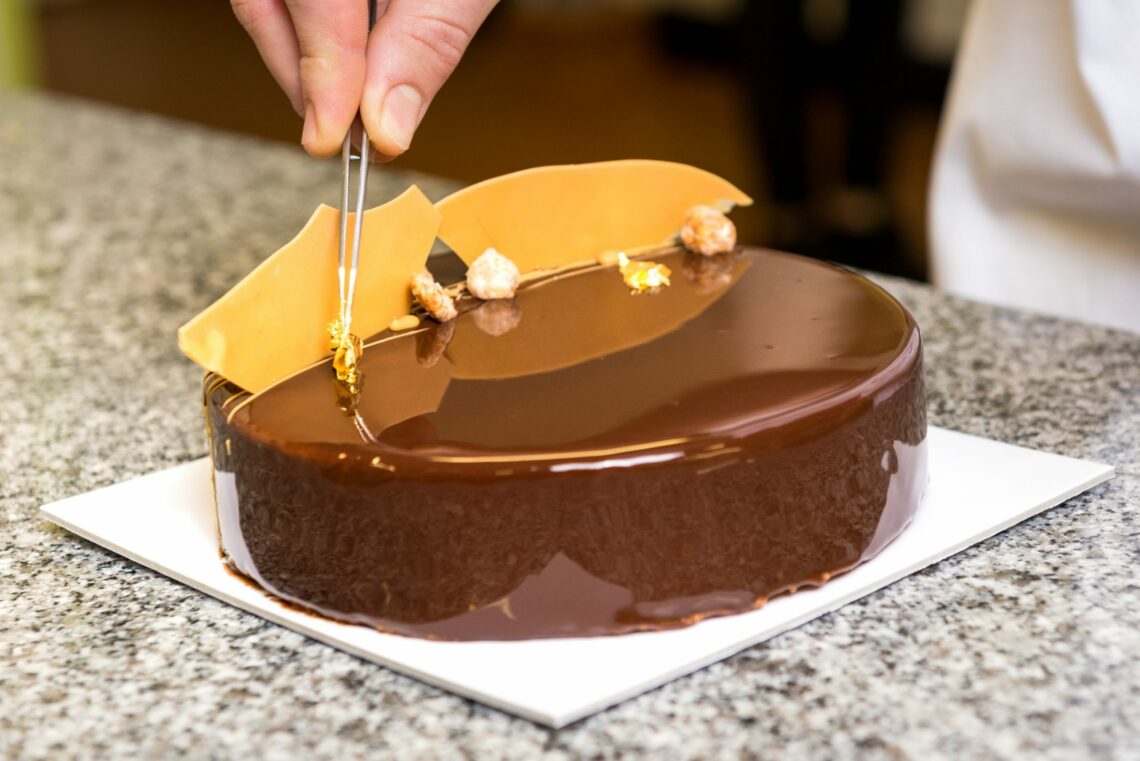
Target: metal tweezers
347, 279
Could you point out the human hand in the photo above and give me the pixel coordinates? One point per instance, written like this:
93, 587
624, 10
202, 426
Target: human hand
330, 67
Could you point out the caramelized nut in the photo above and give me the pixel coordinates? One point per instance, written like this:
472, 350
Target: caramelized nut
708, 231
492, 276
434, 299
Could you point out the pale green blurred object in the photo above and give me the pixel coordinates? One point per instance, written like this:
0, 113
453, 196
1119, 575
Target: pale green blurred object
17, 44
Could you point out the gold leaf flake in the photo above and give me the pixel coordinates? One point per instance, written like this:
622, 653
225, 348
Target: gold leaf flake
643, 276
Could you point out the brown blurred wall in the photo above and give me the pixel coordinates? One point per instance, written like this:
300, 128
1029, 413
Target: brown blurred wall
538, 86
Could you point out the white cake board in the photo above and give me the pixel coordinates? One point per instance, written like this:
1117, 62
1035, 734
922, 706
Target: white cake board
166, 521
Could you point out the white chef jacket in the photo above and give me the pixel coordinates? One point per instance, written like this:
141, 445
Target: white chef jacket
1035, 196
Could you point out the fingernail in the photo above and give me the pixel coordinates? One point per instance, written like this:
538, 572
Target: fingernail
400, 114
309, 133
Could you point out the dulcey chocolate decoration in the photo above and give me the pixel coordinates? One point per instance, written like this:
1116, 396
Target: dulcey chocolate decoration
558, 216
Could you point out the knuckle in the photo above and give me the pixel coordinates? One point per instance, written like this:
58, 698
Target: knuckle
442, 37
316, 68
251, 13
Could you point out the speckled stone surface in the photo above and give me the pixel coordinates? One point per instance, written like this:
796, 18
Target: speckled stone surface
115, 228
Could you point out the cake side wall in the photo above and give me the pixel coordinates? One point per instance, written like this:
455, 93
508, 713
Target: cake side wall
631, 548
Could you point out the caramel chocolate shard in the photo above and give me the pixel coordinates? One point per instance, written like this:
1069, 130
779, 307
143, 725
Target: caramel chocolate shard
558, 216
272, 324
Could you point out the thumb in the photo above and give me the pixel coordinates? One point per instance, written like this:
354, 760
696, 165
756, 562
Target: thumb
412, 51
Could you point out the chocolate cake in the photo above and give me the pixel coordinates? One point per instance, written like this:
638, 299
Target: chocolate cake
581, 460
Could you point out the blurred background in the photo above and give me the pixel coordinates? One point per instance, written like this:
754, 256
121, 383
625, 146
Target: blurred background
825, 111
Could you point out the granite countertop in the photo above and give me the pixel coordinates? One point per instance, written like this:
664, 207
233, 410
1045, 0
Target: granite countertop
116, 227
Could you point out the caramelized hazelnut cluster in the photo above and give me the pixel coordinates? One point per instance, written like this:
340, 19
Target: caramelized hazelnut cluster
492, 276
433, 297
708, 231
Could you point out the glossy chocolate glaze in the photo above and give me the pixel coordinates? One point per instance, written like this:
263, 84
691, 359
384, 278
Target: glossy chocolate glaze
583, 460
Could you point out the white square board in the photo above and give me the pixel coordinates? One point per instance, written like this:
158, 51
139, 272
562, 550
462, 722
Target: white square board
978, 487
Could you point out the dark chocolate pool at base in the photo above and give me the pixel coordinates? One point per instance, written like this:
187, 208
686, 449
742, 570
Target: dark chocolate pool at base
584, 461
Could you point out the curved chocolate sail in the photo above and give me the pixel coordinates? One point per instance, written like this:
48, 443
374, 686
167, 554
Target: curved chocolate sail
770, 436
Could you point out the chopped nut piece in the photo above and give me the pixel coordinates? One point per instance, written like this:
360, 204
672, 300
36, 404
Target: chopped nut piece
498, 317
492, 276
708, 231
407, 322
431, 294
432, 343
642, 276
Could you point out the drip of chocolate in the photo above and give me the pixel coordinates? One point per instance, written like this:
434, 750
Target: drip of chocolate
581, 461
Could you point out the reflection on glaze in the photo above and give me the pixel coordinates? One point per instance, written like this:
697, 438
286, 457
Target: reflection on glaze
756, 427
